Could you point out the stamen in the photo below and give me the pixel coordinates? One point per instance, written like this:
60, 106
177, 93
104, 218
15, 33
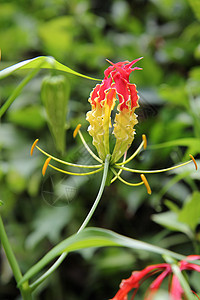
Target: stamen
72, 173
88, 148
120, 171
45, 165
132, 156
194, 161
67, 163
33, 146
124, 181
154, 171
144, 140
76, 130
110, 62
146, 183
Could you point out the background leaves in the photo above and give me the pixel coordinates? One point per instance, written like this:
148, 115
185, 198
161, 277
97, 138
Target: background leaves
81, 34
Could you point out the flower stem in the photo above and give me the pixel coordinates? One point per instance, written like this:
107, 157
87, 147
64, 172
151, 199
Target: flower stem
24, 289
35, 284
98, 198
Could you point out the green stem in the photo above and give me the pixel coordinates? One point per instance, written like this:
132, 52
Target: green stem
17, 91
98, 198
35, 284
177, 272
24, 289
184, 284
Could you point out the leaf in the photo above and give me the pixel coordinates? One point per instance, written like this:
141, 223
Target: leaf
40, 62
94, 237
195, 4
43, 225
193, 144
176, 95
28, 117
190, 213
170, 221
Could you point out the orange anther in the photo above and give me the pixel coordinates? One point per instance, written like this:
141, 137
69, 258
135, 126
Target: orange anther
146, 183
145, 141
194, 161
76, 130
45, 165
33, 146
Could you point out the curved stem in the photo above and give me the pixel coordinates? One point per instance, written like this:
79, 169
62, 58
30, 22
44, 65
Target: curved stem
24, 289
35, 284
18, 90
98, 198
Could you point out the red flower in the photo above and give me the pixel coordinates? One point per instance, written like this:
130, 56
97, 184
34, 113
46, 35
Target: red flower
136, 279
114, 88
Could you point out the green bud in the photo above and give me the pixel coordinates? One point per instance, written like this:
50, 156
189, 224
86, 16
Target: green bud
55, 96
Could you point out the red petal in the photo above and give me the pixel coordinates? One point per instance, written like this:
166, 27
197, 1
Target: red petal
134, 280
176, 290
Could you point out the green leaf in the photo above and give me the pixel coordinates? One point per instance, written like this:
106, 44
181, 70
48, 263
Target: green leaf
195, 4
190, 213
170, 221
94, 237
193, 144
176, 95
40, 62
28, 117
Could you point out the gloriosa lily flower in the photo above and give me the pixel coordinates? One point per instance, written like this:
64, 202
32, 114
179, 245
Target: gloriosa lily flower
114, 90
176, 291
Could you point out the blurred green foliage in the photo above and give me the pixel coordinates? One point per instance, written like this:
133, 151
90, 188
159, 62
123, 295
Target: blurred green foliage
82, 34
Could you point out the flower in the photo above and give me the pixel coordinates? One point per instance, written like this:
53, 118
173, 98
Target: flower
103, 98
176, 291
114, 88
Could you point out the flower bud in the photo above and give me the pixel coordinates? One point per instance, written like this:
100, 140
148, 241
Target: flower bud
55, 95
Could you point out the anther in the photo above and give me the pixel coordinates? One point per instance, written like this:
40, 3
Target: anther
76, 130
145, 141
194, 161
33, 146
45, 165
146, 183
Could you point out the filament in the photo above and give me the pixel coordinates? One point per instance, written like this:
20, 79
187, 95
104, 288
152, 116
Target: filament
120, 171
88, 148
133, 155
76, 174
65, 162
124, 181
154, 171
